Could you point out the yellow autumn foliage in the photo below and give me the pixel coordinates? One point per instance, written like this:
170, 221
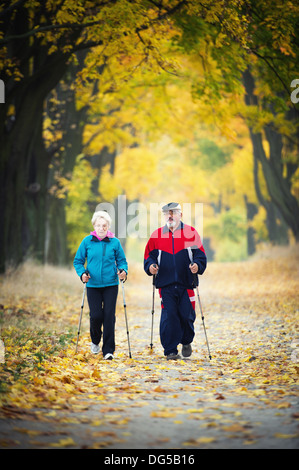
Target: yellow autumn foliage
135, 174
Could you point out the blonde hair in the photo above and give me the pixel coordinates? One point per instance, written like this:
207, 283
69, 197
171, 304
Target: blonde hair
103, 215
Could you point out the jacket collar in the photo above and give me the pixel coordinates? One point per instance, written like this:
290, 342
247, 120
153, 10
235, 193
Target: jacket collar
179, 227
95, 239
95, 236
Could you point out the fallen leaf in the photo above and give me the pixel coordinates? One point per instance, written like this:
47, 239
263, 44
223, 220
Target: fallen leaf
63, 443
162, 414
219, 396
159, 389
200, 440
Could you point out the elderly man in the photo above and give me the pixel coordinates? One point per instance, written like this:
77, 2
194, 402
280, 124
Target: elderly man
174, 255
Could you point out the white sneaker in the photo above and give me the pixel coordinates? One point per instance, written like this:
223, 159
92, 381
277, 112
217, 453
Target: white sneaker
109, 356
94, 348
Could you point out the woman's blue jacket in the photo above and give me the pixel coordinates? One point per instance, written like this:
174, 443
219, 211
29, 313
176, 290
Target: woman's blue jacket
104, 258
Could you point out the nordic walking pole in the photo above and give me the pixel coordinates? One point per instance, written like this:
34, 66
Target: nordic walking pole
125, 309
203, 321
202, 316
80, 319
153, 310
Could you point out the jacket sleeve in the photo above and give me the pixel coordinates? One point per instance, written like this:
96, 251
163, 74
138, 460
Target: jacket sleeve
120, 258
150, 255
80, 258
199, 255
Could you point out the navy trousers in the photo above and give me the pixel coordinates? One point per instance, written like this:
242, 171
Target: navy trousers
177, 318
102, 303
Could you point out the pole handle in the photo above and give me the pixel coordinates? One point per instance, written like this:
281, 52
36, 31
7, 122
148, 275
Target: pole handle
154, 275
195, 278
122, 280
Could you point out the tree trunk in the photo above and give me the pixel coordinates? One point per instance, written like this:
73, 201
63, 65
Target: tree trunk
24, 168
71, 125
22, 183
277, 232
279, 187
251, 210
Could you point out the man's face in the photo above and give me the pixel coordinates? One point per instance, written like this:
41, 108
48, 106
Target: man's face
172, 218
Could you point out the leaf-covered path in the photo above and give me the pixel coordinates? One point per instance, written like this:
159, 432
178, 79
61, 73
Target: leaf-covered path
245, 397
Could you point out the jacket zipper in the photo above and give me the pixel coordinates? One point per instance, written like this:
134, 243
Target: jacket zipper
175, 272
103, 248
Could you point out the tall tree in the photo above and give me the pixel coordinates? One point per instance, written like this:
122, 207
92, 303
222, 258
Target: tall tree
37, 41
64, 127
253, 41
278, 180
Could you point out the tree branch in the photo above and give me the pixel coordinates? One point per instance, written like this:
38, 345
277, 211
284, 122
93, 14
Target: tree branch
7, 10
73, 26
271, 68
169, 12
43, 29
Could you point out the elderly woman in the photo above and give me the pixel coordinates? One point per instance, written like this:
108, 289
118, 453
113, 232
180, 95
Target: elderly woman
106, 264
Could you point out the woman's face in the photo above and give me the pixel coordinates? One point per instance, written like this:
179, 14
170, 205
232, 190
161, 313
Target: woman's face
101, 227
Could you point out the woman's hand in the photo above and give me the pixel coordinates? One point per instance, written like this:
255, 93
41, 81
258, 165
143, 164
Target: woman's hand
85, 278
122, 275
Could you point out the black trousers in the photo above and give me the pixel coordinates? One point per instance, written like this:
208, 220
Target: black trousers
177, 318
102, 303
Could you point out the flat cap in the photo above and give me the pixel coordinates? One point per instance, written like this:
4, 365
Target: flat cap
171, 206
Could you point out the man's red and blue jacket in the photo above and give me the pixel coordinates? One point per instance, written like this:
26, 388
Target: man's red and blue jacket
173, 252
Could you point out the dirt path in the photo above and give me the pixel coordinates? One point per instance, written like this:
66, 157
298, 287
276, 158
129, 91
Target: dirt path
245, 397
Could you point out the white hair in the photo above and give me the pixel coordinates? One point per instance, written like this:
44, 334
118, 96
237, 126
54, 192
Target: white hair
103, 215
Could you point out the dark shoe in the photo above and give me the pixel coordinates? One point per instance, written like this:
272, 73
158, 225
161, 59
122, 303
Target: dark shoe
173, 356
109, 357
186, 350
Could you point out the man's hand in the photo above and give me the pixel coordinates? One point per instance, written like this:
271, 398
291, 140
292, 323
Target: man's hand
193, 268
153, 269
